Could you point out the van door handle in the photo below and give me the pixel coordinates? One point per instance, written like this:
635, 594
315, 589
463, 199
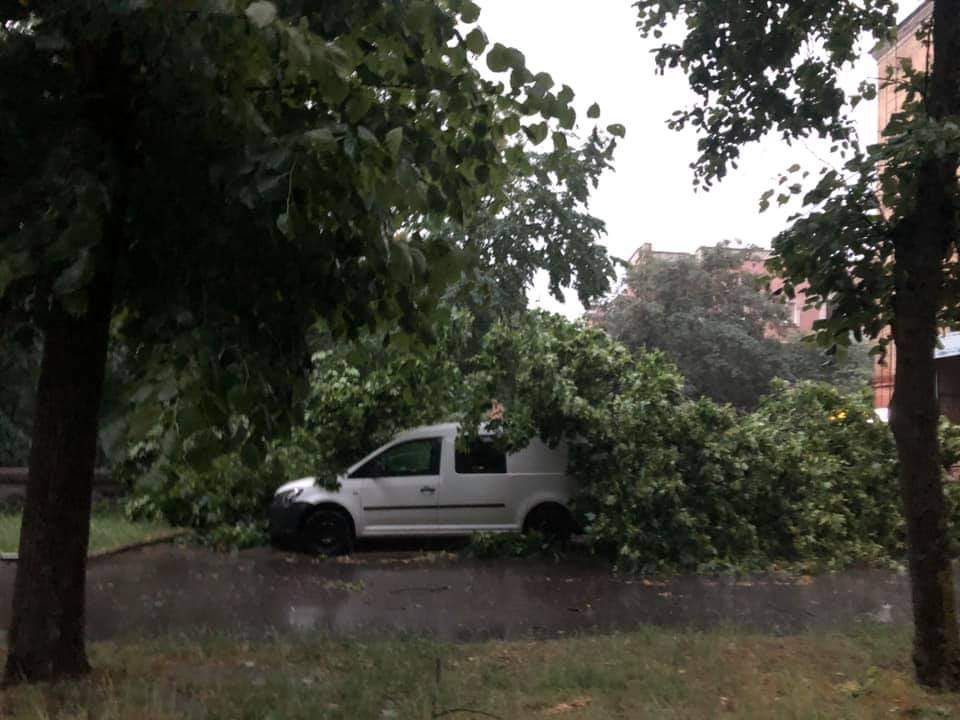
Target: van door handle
428, 489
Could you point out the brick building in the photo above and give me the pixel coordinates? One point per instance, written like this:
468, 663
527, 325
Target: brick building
752, 261
889, 101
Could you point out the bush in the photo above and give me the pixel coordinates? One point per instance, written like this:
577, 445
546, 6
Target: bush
357, 398
485, 545
14, 444
826, 477
225, 502
654, 482
809, 477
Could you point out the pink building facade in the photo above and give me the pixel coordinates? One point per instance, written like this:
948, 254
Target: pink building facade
890, 59
800, 318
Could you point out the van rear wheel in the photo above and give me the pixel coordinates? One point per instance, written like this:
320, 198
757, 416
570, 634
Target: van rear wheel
551, 520
327, 532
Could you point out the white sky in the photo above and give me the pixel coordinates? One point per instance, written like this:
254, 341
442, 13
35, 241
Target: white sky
594, 46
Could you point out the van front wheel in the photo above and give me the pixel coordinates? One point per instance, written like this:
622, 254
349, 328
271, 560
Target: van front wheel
551, 520
327, 532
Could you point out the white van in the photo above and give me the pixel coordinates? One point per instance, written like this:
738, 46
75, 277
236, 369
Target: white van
421, 484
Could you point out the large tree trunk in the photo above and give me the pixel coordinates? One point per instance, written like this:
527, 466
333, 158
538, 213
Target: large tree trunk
913, 419
46, 638
922, 242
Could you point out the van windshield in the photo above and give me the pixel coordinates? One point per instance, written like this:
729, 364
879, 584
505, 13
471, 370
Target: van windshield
416, 457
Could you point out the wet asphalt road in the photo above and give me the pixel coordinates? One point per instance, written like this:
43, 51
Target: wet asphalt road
167, 589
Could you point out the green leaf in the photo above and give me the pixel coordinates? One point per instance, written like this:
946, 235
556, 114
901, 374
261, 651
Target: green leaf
476, 41
542, 82
498, 59
366, 135
536, 133
501, 58
469, 12
559, 142
617, 129
283, 224
593, 112
141, 420
321, 138
333, 87
567, 117
394, 140
358, 105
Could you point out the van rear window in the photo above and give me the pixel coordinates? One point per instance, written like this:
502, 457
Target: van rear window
481, 458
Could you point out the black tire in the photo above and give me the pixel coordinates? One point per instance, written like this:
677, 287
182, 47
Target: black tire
551, 520
327, 532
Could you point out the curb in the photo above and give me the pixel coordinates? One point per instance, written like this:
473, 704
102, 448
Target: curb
110, 552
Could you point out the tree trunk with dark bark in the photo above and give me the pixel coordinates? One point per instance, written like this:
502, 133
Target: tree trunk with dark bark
46, 637
914, 417
922, 243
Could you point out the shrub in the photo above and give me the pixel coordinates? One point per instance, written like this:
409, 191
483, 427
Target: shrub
226, 501
358, 397
485, 545
14, 444
809, 476
826, 479
636, 445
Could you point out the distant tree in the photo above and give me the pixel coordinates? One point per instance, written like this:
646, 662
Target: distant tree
205, 181
775, 67
721, 328
543, 224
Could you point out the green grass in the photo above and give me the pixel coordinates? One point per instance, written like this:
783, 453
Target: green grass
109, 529
653, 673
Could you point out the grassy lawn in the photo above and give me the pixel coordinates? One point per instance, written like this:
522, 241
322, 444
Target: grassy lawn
108, 529
653, 673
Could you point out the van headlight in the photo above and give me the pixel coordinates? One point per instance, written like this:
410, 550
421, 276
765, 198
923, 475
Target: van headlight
288, 496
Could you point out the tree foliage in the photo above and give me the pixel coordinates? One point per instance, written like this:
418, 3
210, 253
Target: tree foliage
209, 180
807, 479
666, 482
886, 260
720, 326
330, 145
358, 396
759, 67
543, 224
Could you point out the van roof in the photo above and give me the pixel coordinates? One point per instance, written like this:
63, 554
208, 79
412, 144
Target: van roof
429, 431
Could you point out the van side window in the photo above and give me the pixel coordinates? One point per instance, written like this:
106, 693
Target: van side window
481, 458
407, 459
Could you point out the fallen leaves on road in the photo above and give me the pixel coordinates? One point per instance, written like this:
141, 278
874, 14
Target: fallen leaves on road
565, 707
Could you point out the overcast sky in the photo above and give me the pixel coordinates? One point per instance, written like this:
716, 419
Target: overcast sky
594, 46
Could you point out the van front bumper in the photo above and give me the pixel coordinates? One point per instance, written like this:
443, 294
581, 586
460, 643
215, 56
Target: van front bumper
286, 519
